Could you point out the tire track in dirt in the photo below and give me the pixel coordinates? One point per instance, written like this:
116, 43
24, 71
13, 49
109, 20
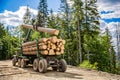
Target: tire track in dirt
8, 72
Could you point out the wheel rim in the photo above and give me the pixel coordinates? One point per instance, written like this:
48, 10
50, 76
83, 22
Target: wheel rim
40, 67
35, 65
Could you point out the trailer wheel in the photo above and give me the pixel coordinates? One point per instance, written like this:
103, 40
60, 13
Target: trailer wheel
19, 62
42, 67
23, 63
13, 62
63, 65
54, 68
35, 64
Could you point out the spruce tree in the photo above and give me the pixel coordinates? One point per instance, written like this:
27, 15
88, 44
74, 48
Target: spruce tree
26, 20
27, 16
78, 17
42, 13
90, 27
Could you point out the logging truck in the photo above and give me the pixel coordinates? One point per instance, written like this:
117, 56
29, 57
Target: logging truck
41, 53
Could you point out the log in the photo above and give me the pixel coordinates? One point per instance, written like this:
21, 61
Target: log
62, 51
48, 49
60, 43
62, 47
41, 29
51, 52
59, 46
53, 46
40, 44
58, 40
57, 53
45, 52
29, 49
57, 43
63, 41
34, 42
34, 48
30, 53
57, 49
48, 42
29, 43
43, 47
54, 39
48, 45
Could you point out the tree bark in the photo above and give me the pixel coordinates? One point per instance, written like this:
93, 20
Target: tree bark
79, 38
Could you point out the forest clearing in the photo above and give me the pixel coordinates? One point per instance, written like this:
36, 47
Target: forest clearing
61, 40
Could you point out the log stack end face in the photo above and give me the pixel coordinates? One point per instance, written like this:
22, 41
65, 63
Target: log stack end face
47, 46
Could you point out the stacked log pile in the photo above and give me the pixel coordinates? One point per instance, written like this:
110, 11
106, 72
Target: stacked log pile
46, 46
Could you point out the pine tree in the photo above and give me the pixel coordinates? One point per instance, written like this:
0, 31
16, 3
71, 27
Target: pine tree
2, 31
26, 20
66, 31
111, 52
51, 20
27, 16
78, 17
90, 24
42, 13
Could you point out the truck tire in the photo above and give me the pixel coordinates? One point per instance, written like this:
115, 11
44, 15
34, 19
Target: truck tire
23, 63
35, 64
13, 62
42, 66
63, 65
19, 62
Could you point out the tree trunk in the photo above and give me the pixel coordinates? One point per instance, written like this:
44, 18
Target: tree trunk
79, 37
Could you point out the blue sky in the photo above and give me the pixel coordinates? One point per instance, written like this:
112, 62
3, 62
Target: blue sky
13, 5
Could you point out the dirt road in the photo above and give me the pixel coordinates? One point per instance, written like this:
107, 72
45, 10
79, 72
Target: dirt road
8, 72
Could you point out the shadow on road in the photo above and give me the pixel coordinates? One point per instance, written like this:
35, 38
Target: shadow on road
9, 70
55, 74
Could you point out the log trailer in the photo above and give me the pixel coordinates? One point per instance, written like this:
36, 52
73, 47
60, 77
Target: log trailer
40, 59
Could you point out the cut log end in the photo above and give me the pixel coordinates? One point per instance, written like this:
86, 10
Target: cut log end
47, 46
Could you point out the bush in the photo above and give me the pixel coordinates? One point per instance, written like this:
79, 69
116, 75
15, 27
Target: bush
88, 65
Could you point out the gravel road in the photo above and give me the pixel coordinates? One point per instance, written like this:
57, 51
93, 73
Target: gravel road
8, 72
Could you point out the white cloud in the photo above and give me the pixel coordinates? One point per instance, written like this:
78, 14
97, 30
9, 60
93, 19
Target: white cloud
109, 5
70, 3
112, 26
15, 18
113, 9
